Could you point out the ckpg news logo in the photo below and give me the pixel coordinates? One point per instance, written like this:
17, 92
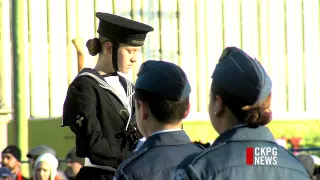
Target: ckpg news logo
261, 155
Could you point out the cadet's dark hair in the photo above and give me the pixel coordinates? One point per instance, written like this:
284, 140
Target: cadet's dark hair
250, 114
95, 46
164, 110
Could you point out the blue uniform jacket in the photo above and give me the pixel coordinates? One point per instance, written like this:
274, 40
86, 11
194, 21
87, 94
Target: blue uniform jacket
158, 157
227, 158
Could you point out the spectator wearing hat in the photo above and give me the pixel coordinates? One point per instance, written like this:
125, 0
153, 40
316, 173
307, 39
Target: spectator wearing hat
239, 109
74, 164
11, 158
6, 174
45, 168
98, 107
162, 101
37, 151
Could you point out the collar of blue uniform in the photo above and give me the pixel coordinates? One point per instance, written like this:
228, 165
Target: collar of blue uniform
246, 133
165, 139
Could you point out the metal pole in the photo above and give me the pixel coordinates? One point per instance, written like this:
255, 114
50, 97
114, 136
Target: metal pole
19, 32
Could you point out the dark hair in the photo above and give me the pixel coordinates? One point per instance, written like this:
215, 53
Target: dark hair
95, 45
256, 114
165, 111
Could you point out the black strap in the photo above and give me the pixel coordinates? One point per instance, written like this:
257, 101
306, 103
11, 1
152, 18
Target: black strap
115, 46
123, 82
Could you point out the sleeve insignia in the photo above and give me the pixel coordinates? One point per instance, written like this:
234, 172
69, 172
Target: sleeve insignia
79, 120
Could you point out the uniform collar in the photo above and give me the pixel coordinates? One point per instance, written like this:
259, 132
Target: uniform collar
92, 71
246, 133
122, 79
95, 72
166, 139
110, 74
162, 131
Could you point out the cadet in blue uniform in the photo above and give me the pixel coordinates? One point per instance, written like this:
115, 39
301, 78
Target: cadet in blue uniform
98, 107
162, 101
240, 99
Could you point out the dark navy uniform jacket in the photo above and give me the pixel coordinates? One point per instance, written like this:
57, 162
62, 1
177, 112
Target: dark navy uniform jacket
158, 157
226, 159
96, 115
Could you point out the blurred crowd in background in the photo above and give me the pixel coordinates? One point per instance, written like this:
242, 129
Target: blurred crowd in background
44, 165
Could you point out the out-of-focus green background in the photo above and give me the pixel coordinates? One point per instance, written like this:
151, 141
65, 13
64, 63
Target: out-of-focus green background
284, 35
61, 139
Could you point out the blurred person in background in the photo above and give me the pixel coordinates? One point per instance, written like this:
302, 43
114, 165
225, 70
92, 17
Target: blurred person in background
239, 110
5, 174
34, 153
74, 164
37, 151
99, 105
11, 158
45, 168
316, 161
308, 163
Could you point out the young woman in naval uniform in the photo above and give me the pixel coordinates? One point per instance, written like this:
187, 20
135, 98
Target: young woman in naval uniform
98, 107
